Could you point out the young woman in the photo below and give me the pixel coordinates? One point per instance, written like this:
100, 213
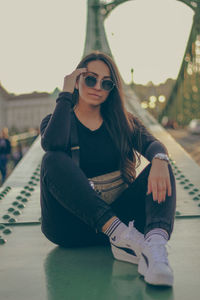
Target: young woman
110, 138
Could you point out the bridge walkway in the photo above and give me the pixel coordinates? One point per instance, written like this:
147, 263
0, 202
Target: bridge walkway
33, 268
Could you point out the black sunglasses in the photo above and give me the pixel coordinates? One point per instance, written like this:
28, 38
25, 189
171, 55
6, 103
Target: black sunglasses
105, 84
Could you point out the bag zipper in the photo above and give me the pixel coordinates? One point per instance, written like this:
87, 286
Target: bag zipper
112, 188
105, 181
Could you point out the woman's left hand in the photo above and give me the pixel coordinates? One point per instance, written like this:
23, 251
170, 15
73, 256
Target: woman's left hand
159, 180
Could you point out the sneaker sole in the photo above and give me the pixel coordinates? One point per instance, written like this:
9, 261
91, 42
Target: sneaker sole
162, 280
124, 256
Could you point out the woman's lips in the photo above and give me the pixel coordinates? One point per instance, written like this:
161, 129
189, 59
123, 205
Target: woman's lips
95, 95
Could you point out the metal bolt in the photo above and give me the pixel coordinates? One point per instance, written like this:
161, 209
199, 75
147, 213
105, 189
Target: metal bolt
21, 206
11, 209
7, 231
5, 217
12, 220
24, 200
16, 213
2, 241
191, 193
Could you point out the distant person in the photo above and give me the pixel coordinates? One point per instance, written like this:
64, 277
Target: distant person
90, 136
5, 150
17, 154
167, 123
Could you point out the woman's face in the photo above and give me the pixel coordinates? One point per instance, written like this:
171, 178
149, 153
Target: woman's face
94, 95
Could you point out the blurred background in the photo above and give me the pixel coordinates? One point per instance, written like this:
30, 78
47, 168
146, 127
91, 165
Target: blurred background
155, 43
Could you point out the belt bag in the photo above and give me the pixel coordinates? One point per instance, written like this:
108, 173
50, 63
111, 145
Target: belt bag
108, 186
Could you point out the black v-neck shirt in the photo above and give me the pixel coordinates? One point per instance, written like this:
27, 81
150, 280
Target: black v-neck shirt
98, 154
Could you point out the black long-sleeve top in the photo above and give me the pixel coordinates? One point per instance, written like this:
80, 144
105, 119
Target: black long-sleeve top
98, 153
5, 146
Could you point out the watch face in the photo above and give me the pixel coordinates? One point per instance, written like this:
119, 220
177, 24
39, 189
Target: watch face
165, 156
162, 156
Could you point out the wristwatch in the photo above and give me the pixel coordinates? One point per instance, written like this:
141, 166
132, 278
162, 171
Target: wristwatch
162, 156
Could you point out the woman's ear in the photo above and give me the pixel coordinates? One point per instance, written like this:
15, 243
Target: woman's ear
76, 85
77, 82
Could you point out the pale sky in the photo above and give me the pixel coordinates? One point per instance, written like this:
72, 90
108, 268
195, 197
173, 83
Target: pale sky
43, 40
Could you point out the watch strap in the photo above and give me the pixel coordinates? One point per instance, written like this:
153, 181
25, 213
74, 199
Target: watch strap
162, 156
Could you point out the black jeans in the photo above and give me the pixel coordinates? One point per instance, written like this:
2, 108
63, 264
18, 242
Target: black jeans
73, 214
3, 165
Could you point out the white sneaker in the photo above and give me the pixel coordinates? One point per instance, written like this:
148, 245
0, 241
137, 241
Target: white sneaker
129, 245
154, 265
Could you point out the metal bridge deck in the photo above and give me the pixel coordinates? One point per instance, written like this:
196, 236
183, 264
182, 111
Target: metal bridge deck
33, 268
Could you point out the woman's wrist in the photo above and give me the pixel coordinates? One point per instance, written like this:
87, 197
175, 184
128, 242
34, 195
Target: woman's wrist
161, 156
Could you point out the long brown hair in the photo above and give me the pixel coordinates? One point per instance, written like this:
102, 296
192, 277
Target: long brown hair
119, 122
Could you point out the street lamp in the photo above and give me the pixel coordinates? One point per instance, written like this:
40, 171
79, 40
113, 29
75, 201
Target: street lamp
132, 71
161, 98
144, 104
152, 99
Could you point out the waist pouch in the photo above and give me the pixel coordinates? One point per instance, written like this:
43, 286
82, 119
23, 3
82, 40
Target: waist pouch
108, 186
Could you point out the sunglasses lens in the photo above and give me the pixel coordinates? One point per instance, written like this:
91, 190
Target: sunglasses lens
107, 85
90, 81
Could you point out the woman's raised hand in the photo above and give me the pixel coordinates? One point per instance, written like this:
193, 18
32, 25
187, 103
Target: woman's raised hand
70, 80
159, 180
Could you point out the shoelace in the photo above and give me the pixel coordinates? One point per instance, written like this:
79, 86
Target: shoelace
138, 237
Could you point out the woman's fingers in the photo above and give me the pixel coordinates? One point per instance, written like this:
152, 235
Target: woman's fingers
70, 80
169, 188
79, 71
149, 189
159, 181
154, 191
161, 191
158, 189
